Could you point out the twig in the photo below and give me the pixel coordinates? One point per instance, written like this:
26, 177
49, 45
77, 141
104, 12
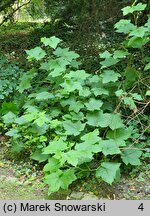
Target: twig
14, 11
137, 140
141, 112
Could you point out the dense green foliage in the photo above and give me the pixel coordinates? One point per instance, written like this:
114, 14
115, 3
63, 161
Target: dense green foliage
77, 122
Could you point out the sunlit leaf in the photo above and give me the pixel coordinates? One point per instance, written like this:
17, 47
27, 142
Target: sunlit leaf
52, 41
37, 53
124, 26
73, 128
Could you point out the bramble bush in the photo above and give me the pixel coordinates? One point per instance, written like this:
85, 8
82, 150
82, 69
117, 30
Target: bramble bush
78, 122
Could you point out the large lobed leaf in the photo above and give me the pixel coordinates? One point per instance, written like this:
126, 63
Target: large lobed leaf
108, 171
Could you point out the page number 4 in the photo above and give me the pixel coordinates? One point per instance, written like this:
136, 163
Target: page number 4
141, 207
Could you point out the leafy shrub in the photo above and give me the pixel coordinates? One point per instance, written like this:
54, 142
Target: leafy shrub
73, 121
9, 75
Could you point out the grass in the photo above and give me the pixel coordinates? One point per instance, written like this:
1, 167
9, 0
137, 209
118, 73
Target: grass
11, 190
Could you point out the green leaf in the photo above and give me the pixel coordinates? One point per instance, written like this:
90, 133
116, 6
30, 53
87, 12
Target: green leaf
91, 143
85, 156
137, 96
57, 72
21, 120
84, 92
60, 179
109, 147
77, 116
9, 106
25, 81
139, 7
31, 108
73, 104
137, 42
124, 26
91, 137
76, 106
30, 116
77, 75
105, 54
67, 178
44, 96
55, 123
98, 119
73, 128
52, 166
54, 181
74, 116
119, 135
37, 53
93, 104
127, 10
131, 156
71, 86
66, 54
139, 32
148, 93
75, 64
115, 121
13, 133
147, 67
131, 75
9, 118
148, 24
99, 91
133, 8
120, 54
119, 92
1, 96
42, 119
54, 64
95, 79
87, 148
37, 155
52, 41
129, 102
55, 146
72, 157
39, 130
108, 62
108, 171
109, 76
96, 148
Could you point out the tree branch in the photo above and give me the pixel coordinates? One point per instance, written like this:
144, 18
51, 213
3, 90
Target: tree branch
5, 4
13, 12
